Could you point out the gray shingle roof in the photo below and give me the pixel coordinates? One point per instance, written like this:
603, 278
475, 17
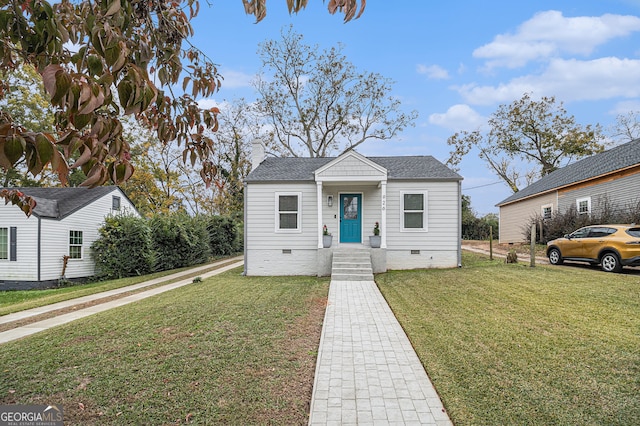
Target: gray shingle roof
398, 168
617, 158
58, 203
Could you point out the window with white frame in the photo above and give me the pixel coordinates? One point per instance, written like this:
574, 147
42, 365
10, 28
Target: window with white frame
75, 244
115, 203
288, 211
547, 211
583, 205
4, 243
413, 214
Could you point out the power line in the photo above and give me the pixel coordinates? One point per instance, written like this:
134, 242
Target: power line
482, 186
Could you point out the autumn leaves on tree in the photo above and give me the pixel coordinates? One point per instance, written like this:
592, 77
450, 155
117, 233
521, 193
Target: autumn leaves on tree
100, 60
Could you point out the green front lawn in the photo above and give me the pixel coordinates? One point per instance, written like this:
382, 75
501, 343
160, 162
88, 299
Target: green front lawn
228, 350
19, 300
509, 344
503, 344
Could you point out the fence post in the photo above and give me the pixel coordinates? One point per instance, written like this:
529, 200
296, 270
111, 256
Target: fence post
533, 245
490, 242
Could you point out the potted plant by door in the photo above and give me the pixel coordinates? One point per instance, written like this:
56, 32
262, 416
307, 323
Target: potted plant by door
375, 239
326, 237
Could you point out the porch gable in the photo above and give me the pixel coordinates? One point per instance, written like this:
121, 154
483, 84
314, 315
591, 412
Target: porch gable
351, 166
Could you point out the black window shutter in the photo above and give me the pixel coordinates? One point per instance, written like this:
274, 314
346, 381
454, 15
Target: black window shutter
13, 244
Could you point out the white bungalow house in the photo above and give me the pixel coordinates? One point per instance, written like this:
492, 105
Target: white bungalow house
63, 225
415, 200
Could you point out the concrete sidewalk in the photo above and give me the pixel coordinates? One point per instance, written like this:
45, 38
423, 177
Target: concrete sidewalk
36, 327
367, 372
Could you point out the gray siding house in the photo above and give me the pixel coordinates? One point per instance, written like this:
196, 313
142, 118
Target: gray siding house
64, 224
610, 178
288, 201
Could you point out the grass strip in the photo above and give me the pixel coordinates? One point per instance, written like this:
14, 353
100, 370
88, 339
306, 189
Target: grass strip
20, 300
231, 350
79, 306
510, 344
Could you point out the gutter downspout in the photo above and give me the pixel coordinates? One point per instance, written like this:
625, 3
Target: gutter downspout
39, 246
244, 226
459, 224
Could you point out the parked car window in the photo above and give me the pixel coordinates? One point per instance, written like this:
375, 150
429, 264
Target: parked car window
601, 232
634, 232
580, 233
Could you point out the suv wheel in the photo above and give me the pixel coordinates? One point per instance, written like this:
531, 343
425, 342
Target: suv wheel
610, 262
555, 257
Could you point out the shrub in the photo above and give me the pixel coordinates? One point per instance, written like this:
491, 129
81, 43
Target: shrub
224, 235
474, 228
179, 240
123, 248
568, 221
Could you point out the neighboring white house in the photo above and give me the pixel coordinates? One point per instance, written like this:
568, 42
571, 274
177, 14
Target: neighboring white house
610, 179
415, 199
65, 222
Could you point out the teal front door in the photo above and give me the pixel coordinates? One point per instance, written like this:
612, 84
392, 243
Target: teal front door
350, 218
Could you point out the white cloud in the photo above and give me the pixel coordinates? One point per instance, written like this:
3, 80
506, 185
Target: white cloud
235, 79
433, 72
550, 34
458, 117
568, 80
208, 103
625, 107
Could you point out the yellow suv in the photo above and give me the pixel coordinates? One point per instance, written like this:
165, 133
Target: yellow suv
611, 246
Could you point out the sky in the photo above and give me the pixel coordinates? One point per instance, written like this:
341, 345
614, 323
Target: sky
454, 62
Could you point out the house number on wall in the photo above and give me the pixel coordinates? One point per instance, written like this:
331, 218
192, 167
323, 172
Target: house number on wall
384, 202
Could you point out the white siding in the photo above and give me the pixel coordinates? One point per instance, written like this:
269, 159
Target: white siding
56, 234
54, 240
439, 246
25, 268
265, 246
351, 166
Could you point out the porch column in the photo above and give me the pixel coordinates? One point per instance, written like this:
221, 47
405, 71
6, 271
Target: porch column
383, 219
319, 208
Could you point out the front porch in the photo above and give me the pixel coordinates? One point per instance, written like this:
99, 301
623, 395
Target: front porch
351, 199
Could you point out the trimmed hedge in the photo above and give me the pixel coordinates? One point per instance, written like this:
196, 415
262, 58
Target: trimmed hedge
223, 235
124, 248
130, 246
179, 240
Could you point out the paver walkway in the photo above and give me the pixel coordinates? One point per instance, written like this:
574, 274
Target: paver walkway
26, 330
367, 372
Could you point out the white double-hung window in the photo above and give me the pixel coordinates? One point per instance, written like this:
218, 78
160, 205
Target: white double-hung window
288, 211
583, 205
413, 214
75, 244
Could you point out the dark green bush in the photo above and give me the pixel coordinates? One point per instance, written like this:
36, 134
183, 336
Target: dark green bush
480, 228
224, 235
123, 248
179, 240
134, 246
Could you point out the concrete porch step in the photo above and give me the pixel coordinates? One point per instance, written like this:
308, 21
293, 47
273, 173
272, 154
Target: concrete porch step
350, 277
351, 271
352, 265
